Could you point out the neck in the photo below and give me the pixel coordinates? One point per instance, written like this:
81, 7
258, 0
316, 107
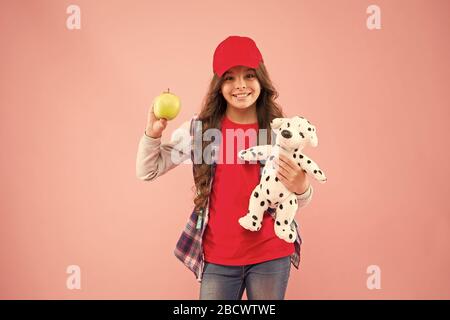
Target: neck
242, 116
281, 149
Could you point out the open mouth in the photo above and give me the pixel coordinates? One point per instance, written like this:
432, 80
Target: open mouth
241, 95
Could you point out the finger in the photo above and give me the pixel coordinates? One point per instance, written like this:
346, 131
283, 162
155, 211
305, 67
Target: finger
158, 126
283, 179
163, 123
289, 162
282, 167
152, 115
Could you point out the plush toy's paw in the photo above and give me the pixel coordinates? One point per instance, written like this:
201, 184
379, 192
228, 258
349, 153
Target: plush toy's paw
309, 166
319, 175
284, 231
247, 155
251, 223
255, 153
242, 154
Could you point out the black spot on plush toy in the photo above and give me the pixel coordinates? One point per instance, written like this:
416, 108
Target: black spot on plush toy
292, 136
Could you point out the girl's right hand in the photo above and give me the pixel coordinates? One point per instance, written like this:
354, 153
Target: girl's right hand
155, 126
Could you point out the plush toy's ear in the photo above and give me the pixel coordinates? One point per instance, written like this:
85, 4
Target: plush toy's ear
313, 140
276, 123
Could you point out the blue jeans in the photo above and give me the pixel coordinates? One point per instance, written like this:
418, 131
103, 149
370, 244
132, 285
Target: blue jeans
263, 281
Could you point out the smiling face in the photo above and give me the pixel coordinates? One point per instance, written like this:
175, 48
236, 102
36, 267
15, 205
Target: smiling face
240, 87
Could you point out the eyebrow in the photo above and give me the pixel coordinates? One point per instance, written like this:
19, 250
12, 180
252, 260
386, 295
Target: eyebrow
249, 69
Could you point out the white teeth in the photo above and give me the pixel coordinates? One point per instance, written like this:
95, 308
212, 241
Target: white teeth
241, 95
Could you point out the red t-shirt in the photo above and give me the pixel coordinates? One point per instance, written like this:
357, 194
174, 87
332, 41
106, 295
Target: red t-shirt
225, 241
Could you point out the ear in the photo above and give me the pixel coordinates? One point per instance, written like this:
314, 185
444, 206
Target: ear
313, 137
276, 123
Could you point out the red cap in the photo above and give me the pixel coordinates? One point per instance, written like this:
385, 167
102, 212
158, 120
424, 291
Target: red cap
236, 51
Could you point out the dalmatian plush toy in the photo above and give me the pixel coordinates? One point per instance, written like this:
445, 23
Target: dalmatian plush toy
292, 135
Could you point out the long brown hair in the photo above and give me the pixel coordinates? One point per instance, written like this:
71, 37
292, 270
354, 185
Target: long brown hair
211, 115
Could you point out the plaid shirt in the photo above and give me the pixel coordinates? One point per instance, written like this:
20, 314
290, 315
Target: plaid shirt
189, 248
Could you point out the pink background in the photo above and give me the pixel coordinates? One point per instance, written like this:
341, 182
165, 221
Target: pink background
74, 106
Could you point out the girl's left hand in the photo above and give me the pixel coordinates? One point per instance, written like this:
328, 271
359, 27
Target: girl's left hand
291, 175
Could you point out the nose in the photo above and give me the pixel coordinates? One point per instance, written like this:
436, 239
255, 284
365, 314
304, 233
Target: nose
240, 82
286, 134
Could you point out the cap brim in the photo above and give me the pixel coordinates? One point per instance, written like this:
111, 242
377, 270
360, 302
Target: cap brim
245, 64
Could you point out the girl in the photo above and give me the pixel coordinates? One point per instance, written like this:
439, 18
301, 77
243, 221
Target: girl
226, 258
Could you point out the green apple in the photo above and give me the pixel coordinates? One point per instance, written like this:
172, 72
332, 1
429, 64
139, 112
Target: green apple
166, 105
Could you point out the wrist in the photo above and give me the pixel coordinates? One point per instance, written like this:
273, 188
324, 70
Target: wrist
303, 189
151, 135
